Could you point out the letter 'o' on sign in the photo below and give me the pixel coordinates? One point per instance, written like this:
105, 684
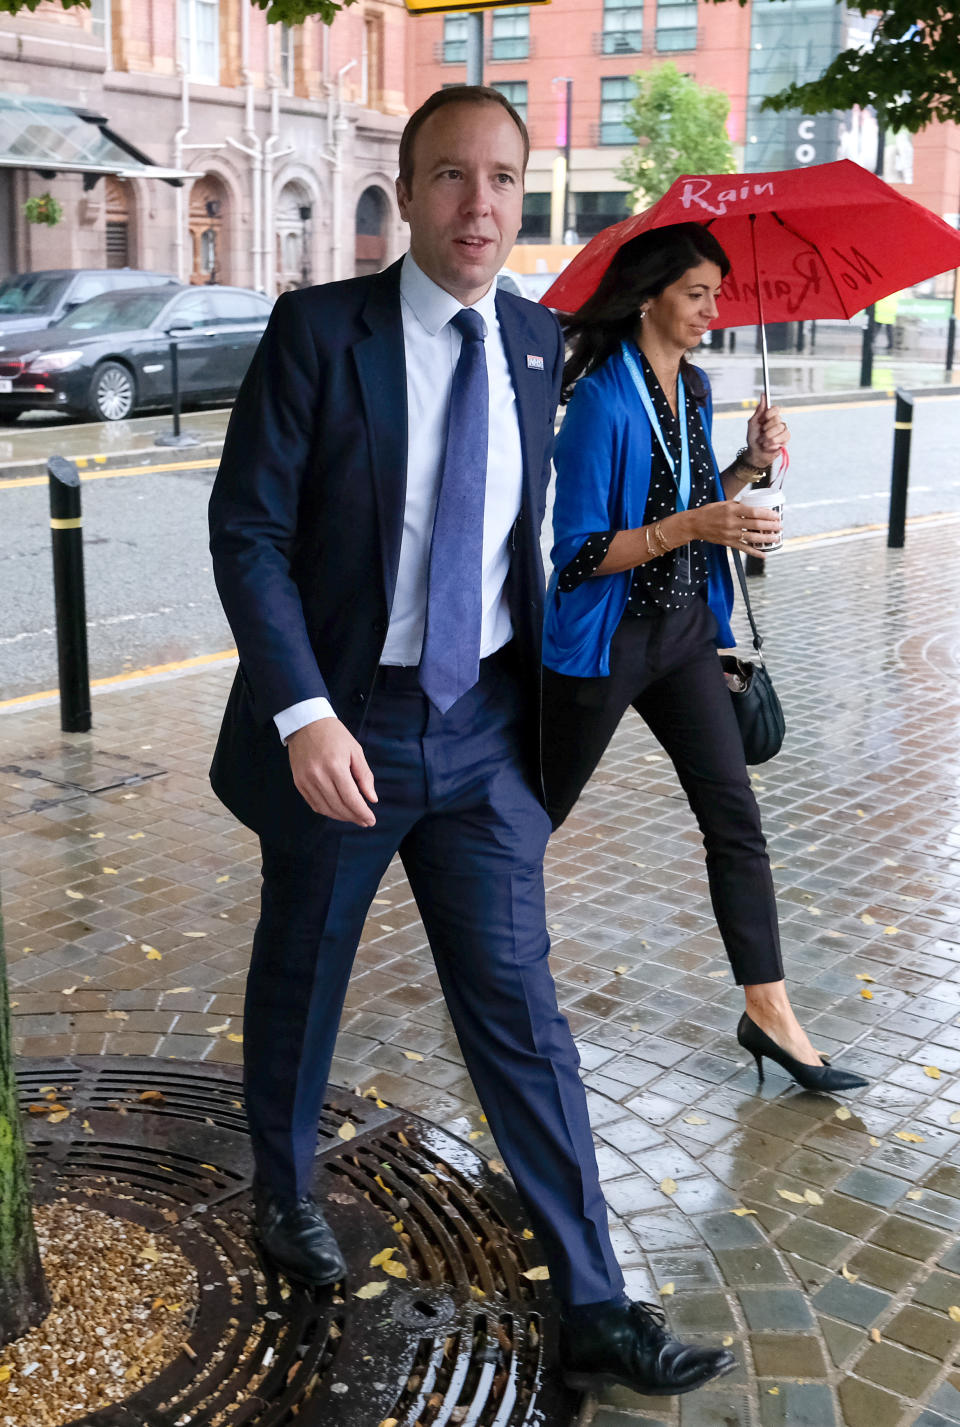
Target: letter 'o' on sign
805, 153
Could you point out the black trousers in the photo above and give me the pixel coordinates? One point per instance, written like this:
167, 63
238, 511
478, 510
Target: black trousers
666, 667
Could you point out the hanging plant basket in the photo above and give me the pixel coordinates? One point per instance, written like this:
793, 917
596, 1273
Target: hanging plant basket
44, 208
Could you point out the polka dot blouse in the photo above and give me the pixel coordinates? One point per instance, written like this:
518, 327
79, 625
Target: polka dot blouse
657, 584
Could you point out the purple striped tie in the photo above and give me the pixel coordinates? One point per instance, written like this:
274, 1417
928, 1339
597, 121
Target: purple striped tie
450, 662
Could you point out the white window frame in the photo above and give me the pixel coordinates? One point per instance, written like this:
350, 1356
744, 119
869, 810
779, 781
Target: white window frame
191, 49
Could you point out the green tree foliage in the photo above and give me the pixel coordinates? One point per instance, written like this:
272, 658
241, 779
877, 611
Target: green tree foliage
910, 74
680, 127
288, 12
23, 1293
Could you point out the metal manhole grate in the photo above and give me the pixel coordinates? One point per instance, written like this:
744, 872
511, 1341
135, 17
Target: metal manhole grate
463, 1339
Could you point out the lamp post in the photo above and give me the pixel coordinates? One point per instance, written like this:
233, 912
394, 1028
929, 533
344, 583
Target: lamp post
212, 206
560, 223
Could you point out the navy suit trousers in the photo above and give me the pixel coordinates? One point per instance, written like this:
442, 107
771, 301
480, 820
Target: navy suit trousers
456, 805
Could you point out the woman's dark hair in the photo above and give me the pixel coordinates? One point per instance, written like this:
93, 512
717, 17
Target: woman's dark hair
641, 269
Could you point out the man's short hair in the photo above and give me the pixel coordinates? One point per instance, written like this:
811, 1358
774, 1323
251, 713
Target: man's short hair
454, 94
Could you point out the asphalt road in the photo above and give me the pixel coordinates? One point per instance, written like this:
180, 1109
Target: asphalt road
150, 593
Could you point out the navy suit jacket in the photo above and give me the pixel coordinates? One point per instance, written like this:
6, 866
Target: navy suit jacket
306, 516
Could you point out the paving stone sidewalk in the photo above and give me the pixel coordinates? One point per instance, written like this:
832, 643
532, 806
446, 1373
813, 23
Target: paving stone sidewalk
821, 1237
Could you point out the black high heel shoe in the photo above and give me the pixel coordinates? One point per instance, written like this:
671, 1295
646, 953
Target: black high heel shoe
826, 1078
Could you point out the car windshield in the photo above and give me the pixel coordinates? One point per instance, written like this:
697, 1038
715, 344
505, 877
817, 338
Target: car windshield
30, 294
115, 312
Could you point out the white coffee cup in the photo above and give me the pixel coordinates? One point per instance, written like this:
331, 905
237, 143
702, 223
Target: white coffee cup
766, 499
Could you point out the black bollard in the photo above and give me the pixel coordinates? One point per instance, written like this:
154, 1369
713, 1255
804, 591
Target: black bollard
176, 436
900, 476
66, 529
951, 342
866, 350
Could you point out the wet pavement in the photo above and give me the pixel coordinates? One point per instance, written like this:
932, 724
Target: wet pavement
821, 1236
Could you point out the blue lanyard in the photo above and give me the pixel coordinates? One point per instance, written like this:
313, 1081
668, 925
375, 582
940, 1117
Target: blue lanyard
683, 485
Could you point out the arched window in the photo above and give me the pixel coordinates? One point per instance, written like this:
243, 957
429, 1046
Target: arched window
371, 231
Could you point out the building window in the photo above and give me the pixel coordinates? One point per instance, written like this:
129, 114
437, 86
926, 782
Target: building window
676, 24
536, 218
371, 81
200, 39
596, 211
622, 26
514, 90
511, 34
454, 39
286, 58
615, 95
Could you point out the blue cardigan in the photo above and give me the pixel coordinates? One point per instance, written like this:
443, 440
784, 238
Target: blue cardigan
602, 458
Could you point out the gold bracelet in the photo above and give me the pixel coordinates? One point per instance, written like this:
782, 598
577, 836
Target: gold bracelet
661, 539
652, 554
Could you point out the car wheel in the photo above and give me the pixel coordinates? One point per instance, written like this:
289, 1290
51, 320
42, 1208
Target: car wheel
112, 392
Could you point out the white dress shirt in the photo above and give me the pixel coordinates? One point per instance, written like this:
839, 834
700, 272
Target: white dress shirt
431, 351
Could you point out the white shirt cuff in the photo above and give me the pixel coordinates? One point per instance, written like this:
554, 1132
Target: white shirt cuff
299, 715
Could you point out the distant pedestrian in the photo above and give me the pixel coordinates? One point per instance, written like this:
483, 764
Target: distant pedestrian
641, 593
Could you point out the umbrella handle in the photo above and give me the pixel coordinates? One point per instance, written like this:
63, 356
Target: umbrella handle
763, 330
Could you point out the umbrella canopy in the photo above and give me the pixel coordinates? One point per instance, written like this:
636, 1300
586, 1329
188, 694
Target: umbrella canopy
830, 239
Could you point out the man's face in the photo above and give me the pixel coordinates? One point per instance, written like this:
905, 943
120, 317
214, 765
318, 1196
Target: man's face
465, 200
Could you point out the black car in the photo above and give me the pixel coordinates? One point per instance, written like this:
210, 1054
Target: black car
111, 356
29, 301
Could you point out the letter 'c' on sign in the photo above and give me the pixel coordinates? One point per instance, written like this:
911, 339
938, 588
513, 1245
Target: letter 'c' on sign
806, 129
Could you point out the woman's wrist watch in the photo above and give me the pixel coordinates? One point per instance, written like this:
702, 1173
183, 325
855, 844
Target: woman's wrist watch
741, 462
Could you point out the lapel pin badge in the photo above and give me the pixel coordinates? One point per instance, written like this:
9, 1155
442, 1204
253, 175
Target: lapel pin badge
534, 362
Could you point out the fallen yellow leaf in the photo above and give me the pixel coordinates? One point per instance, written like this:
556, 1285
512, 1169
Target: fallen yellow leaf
890, 931
875, 1142
867, 919
217, 1030
77, 896
875, 1335
110, 871
347, 1131
233, 1036
381, 1258
56, 1118
476, 1134
413, 1055
668, 1185
774, 1391
5, 1374
842, 1113
668, 1289
727, 1342
620, 970
179, 991
224, 878
867, 995
740, 1211
372, 1290
527, 1234
955, 1117
152, 953
953, 1312
864, 976
134, 836
540, 1274
395, 1270
850, 1277
791, 1196
812, 1197
195, 934
153, 1097
150, 1253
694, 1120
932, 1071
497, 1166
390, 1422
909, 1137
914, 1193
716, 974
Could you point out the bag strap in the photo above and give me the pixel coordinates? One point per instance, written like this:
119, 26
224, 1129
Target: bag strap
757, 639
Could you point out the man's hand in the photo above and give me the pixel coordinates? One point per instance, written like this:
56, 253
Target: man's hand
331, 772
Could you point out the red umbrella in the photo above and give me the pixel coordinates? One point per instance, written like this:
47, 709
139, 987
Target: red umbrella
823, 241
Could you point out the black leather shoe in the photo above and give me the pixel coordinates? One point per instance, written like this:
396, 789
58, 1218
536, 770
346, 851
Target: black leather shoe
298, 1238
826, 1078
631, 1345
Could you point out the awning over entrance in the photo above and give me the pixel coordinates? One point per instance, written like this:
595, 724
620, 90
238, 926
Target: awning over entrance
53, 138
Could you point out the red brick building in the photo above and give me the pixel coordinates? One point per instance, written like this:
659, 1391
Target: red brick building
746, 52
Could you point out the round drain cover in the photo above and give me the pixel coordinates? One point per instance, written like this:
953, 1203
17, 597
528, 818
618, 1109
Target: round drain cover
444, 1328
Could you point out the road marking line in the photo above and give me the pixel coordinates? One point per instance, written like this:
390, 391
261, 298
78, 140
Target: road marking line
837, 405
150, 671
950, 517
19, 482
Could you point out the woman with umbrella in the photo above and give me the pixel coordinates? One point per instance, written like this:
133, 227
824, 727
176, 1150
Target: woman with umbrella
641, 593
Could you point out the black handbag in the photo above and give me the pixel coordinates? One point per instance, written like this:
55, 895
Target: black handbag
755, 701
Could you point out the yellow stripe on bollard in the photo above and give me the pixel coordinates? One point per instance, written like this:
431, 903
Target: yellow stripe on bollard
72, 524
903, 426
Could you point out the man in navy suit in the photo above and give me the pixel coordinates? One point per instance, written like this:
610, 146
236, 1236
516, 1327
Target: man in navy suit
375, 532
